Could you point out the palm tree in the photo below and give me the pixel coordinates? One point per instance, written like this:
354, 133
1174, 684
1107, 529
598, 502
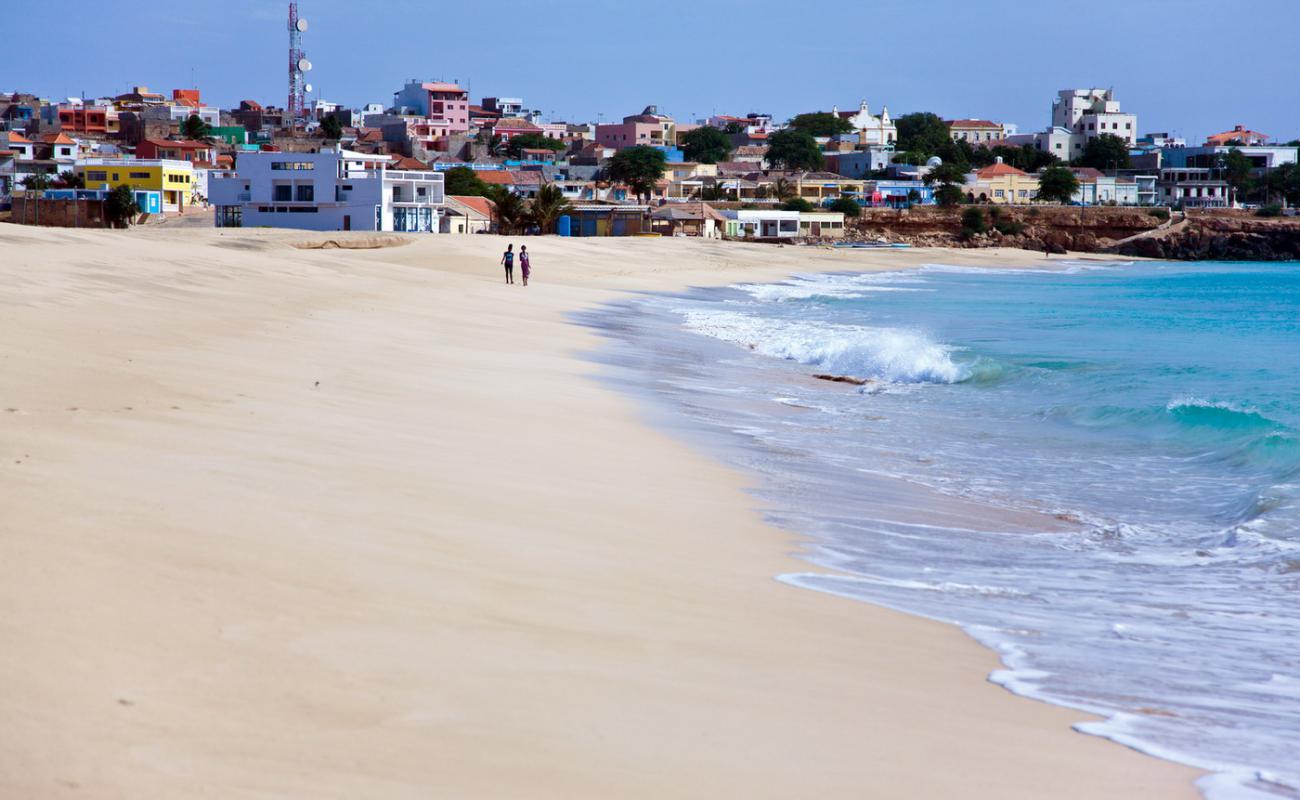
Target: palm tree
549, 205
509, 211
71, 180
782, 189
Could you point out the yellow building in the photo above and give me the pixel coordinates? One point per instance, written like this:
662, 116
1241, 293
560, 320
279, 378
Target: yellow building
174, 180
818, 187
1001, 183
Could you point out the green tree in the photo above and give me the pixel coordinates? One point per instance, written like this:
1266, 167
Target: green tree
797, 204
120, 207
639, 167
71, 180
1057, 184
331, 128
922, 132
949, 179
1284, 183
793, 149
37, 182
195, 128
705, 144
820, 123
973, 222
532, 141
782, 189
509, 209
733, 128
547, 207
1238, 171
949, 195
1105, 152
847, 206
464, 182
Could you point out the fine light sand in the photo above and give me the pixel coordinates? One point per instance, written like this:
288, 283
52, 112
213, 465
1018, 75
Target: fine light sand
302, 523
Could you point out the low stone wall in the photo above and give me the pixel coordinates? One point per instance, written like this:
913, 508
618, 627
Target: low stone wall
59, 213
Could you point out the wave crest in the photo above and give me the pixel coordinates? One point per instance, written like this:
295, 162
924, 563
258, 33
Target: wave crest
890, 354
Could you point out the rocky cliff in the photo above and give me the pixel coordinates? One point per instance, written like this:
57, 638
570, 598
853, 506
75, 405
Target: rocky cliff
1221, 235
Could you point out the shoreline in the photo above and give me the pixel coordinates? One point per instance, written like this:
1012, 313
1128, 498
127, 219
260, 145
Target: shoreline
387, 583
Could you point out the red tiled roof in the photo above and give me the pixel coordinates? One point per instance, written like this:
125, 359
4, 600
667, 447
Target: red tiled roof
482, 205
1087, 173
55, 138
441, 86
971, 123
998, 170
17, 138
497, 176
1238, 132
408, 163
517, 124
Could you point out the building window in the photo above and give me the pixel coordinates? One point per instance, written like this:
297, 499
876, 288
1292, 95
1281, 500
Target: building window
306, 193
96, 175
138, 176
293, 165
282, 194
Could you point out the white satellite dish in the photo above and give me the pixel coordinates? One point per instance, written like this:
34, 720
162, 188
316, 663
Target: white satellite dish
304, 65
302, 26
307, 88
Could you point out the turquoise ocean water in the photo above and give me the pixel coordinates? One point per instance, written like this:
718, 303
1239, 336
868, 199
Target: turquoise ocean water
1095, 471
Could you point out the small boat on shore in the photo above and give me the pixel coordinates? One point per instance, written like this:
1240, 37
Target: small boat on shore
871, 245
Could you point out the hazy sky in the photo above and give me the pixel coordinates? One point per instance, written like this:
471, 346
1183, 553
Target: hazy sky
1191, 67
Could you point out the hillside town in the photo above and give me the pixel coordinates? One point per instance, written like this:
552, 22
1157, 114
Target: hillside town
433, 159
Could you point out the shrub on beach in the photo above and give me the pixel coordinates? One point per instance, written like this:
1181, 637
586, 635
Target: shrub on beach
847, 206
1161, 214
1270, 210
973, 220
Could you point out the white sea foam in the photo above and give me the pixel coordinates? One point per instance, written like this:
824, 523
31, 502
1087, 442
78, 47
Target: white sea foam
803, 287
890, 354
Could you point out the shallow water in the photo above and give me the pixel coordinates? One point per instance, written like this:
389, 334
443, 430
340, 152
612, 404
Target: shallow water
1093, 470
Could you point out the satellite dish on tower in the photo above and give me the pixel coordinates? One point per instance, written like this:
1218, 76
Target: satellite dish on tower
304, 65
302, 26
307, 88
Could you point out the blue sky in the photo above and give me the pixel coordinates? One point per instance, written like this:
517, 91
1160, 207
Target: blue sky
1192, 67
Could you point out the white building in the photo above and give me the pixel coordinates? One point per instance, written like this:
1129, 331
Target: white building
871, 129
762, 224
1193, 187
335, 190
180, 113
1092, 112
1078, 116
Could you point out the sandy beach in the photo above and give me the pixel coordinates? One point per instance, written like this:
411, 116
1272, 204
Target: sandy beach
361, 523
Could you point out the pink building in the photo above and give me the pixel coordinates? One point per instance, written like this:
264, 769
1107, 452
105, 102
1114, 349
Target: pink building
444, 105
648, 128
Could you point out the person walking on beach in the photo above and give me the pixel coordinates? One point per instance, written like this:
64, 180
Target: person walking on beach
508, 260
524, 266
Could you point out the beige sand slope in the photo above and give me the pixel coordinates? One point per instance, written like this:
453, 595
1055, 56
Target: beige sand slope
359, 524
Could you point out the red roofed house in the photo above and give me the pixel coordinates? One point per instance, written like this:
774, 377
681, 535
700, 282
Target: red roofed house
1238, 135
1001, 183
57, 147
182, 150
467, 214
19, 145
511, 127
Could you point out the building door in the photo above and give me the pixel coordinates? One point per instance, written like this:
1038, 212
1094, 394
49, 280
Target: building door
816, 229
347, 222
